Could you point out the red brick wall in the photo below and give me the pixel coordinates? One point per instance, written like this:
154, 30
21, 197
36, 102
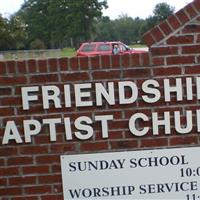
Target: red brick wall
32, 170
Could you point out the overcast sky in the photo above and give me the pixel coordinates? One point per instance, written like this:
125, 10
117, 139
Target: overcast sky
134, 8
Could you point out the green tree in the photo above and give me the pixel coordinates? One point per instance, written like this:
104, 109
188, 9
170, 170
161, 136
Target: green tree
17, 32
149, 23
130, 30
5, 38
83, 16
162, 11
12, 33
137, 29
37, 44
124, 28
105, 30
36, 16
55, 22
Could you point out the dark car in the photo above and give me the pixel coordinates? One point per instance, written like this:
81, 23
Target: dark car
105, 48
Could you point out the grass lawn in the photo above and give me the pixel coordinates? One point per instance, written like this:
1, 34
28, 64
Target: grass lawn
70, 52
138, 46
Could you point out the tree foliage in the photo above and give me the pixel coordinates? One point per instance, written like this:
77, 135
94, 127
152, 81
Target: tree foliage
4, 37
12, 33
61, 23
105, 30
54, 22
37, 44
130, 30
162, 11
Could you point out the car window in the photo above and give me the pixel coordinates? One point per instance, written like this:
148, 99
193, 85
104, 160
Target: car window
103, 47
122, 47
88, 47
